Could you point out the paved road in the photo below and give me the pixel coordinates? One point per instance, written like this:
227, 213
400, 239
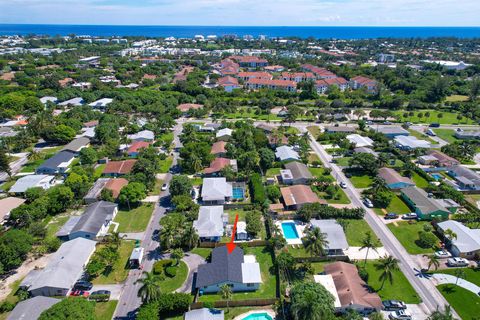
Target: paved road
15, 166
129, 300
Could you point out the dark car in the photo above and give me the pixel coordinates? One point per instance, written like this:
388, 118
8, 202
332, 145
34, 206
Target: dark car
391, 215
434, 125
83, 285
100, 295
392, 305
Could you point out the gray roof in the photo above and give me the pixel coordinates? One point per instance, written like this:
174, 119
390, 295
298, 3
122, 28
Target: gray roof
422, 201
67, 228
299, 170
224, 267
391, 130
345, 129
57, 160
216, 189
467, 240
64, 268
77, 144
411, 142
461, 171
391, 176
286, 153
335, 235
204, 314
365, 150
31, 309
74, 102
95, 217
209, 222
97, 188
30, 181
144, 135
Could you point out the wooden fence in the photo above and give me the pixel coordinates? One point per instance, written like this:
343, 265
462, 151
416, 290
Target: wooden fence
236, 303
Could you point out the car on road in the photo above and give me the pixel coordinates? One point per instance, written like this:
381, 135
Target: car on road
83, 285
434, 125
410, 216
164, 187
368, 203
390, 215
387, 123
393, 305
343, 185
100, 295
442, 254
400, 315
431, 133
457, 262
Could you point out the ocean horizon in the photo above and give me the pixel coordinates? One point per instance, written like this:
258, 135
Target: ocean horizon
346, 32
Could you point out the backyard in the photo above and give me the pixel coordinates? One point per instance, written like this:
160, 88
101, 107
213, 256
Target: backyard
135, 220
419, 180
407, 234
119, 271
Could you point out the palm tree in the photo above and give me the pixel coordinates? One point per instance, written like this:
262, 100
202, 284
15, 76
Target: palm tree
459, 273
150, 289
315, 242
226, 293
190, 236
378, 184
114, 238
34, 155
369, 242
439, 315
387, 265
177, 255
432, 261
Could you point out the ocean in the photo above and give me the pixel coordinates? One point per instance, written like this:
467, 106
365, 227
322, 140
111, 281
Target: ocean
190, 31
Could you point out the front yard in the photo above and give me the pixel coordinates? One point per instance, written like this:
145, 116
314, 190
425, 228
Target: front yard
135, 220
446, 134
105, 310
397, 205
407, 234
170, 284
464, 302
356, 229
120, 269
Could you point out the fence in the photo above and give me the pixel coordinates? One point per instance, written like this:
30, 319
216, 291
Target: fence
236, 303
322, 259
253, 243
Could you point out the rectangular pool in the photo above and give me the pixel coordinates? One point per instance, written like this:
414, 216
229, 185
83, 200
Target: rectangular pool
436, 176
238, 193
290, 230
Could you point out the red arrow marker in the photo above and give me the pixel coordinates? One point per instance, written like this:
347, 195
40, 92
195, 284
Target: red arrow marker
231, 246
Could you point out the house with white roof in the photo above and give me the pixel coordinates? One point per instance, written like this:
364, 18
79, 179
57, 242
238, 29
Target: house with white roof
144, 135
32, 181
410, 143
204, 314
335, 235
359, 141
45, 100
210, 223
286, 153
216, 190
75, 102
241, 233
224, 134
101, 103
466, 244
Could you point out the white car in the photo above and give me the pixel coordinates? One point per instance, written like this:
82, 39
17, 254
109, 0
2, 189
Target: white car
443, 254
368, 203
457, 262
343, 185
165, 187
410, 216
400, 315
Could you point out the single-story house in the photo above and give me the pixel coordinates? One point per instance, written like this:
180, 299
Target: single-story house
337, 241
136, 147
426, 208
241, 232
442, 159
465, 178
352, 291
210, 223
75, 102
240, 272
366, 150
32, 181
410, 143
32, 308
216, 190
360, 141
46, 100
427, 160
218, 149
296, 196
113, 184
275, 140
58, 164
286, 153
299, 173
144, 135
65, 267
326, 280
204, 314
76, 145
391, 131
101, 103
467, 135
185, 107
118, 168
467, 242
7, 205
340, 129
218, 164
224, 134
266, 128
92, 224
90, 124
393, 179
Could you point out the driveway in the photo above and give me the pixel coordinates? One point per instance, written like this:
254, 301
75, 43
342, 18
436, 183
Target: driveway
115, 289
355, 253
193, 261
441, 278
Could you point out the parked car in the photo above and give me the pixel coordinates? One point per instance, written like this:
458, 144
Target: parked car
431, 133
400, 315
164, 187
100, 295
390, 215
410, 216
79, 293
343, 185
457, 262
434, 125
442, 254
392, 305
387, 123
83, 285
368, 203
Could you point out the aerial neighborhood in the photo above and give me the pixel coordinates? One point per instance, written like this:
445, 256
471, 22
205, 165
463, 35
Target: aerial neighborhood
239, 178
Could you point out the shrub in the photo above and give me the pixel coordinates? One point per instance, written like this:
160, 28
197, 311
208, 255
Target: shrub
160, 266
171, 271
148, 311
427, 239
258, 191
363, 274
174, 302
6, 306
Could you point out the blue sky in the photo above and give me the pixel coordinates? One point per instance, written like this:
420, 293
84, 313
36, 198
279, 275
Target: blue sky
244, 12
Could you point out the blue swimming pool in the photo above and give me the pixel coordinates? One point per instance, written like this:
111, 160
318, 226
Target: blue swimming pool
238, 193
289, 230
258, 316
436, 176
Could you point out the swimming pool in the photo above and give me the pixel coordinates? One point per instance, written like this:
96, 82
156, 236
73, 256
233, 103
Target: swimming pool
289, 230
258, 316
238, 193
436, 176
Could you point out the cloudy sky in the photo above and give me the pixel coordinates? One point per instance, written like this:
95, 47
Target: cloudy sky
244, 12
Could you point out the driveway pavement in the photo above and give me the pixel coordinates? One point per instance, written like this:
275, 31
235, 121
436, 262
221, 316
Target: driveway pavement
355, 253
115, 289
441, 278
193, 261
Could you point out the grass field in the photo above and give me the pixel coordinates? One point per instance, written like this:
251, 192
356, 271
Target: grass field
446, 134
400, 289
105, 310
343, 162
165, 165
464, 302
339, 198
471, 274
407, 234
135, 220
272, 172
361, 181
203, 252
356, 230
120, 269
457, 98
419, 180
446, 118
171, 284
397, 206
314, 130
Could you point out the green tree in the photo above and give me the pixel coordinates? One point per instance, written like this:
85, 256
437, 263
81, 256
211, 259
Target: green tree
315, 242
387, 265
132, 193
79, 184
427, 239
5, 162
459, 273
311, 301
365, 161
227, 294
285, 263
180, 185
150, 289
177, 255
88, 156
267, 158
254, 223
369, 242
61, 134
273, 193
432, 261
442, 315
70, 308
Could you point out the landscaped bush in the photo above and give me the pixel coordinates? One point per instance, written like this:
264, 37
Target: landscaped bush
173, 302
160, 266
318, 211
171, 271
427, 239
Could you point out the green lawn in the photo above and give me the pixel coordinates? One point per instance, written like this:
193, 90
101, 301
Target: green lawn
407, 234
343, 162
339, 198
98, 171
356, 230
446, 134
7, 185
105, 310
171, 284
12, 298
165, 165
464, 302
31, 166
197, 181
400, 289
446, 118
313, 157
203, 252
397, 205
157, 188
56, 223
272, 172
232, 213
419, 180
471, 274
361, 181
120, 269
421, 136
319, 172
267, 289
135, 220
457, 98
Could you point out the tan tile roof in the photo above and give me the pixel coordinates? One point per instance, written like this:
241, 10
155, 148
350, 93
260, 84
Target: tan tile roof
298, 195
8, 204
218, 147
119, 167
116, 185
184, 107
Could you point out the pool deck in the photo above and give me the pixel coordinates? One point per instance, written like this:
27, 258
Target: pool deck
270, 312
298, 225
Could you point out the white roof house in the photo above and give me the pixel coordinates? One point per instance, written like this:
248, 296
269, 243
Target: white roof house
47, 99
467, 240
72, 102
101, 103
359, 140
216, 189
251, 270
410, 142
31, 181
66, 266
284, 153
204, 314
225, 132
210, 222
144, 135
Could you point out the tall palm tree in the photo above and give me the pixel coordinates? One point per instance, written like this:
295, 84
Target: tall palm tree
369, 242
315, 242
459, 273
439, 315
227, 294
177, 255
387, 265
190, 236
150, 289
432, 261
378, 184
